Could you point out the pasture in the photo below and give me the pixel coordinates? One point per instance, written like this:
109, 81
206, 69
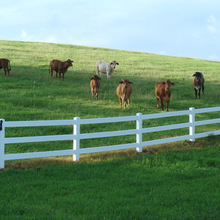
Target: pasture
180, 183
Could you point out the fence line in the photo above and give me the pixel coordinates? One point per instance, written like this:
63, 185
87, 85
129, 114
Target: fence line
76, 151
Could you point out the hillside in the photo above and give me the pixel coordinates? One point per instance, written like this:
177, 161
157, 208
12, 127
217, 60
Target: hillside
30, 93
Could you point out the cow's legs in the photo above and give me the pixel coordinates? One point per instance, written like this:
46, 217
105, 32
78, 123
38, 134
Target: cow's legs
5, 71
108, 76
128, 100
124, 104
158, 102
92, 91
161, 102
199, 92
195, 93
97, 94
120, 100
168, 105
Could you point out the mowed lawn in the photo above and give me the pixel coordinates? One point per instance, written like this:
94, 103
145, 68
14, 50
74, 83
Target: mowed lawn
172, 181
171, 185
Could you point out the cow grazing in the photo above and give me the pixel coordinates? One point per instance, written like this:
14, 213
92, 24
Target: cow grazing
59, 67
94, 85
198, 83
163, 92
124, 91
5, 63
106, 68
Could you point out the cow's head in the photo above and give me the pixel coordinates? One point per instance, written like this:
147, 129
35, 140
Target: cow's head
95, 77
168, 84
197, 75
114, 63
70, 62
125, 82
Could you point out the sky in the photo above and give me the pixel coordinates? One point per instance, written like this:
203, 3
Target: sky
185, 28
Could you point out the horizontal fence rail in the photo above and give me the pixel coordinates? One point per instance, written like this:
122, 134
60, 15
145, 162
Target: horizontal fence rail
18, 124
76, 136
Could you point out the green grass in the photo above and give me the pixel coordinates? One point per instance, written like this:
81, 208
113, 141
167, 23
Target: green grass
172, 181
171, 185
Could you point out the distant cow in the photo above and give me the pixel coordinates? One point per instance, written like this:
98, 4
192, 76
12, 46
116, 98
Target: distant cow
124, 91
5, 63
163, 92
198, 82
106, 68
59, 67
94, 85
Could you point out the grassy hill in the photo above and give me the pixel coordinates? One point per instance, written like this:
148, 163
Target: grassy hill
31, 94
180, 183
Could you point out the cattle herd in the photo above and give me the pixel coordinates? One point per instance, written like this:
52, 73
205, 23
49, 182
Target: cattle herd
124, 89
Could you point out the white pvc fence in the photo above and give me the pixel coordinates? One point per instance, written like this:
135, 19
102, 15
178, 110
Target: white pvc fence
76, 151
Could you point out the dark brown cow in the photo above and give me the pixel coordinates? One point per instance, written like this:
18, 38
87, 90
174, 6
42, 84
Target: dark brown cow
5, 63
59, 67
94, 85
163, 92
124, 91
198, 83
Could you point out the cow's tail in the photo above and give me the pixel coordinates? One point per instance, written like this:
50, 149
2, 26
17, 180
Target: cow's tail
9, 66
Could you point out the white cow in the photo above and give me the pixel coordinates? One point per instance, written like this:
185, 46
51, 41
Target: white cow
104, 67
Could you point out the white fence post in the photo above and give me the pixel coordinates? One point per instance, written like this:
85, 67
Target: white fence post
139, 132
2, 143
76, 141
192, 126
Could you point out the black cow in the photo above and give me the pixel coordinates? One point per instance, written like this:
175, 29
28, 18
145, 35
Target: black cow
198, 83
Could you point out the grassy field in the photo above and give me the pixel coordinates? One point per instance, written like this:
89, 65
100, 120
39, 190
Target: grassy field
173, 181
171, 185
30, 93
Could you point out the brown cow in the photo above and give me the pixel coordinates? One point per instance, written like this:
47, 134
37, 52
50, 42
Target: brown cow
94, 85
124, 91
198, 82
5, 63
163, 92
59, 67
